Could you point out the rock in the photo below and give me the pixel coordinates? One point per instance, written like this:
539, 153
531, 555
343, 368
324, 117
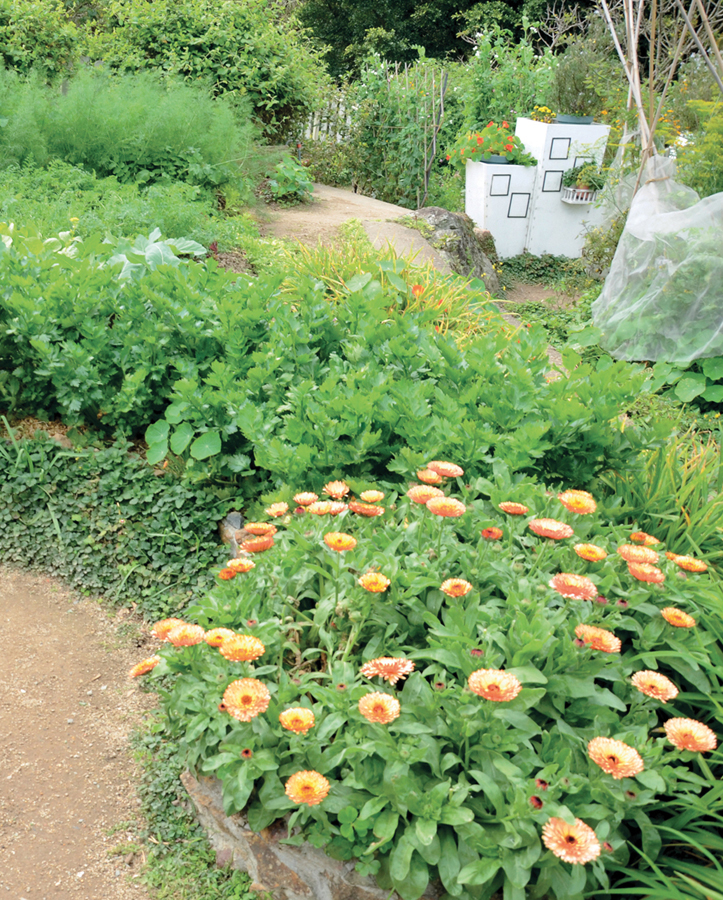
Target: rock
467, 249
287, 872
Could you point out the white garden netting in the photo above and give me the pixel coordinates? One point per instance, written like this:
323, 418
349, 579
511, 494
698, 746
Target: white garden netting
663, 297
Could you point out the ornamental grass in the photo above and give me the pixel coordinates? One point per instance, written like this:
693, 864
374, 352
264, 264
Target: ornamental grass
517, 717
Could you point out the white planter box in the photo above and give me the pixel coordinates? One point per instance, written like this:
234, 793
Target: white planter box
498, 198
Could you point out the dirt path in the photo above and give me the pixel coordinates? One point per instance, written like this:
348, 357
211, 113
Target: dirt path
66, 772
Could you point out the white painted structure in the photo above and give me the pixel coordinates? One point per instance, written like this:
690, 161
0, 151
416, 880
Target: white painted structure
522, 206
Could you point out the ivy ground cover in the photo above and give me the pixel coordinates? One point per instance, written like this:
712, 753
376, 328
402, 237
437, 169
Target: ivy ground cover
471, 680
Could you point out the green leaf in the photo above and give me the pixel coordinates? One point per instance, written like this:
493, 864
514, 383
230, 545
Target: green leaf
206, 444
413, 885
479, 872
156, 452
690, 386
357, 282
157, 432
713, 368
713, 393
181, 438
400, 859
456, 815
426, 830
385, 824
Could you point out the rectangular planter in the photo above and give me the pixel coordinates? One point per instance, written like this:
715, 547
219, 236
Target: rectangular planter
498, 198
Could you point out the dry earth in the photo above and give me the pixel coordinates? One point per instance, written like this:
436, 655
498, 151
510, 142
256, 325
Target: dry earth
67, 776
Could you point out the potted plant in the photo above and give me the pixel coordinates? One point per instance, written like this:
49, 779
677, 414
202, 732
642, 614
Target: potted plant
492, 144
581, 183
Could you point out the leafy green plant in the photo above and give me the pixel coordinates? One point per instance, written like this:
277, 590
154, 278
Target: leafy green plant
700, 380
492, 140
587, 175
100, 518
437, 779
37, 34
242, 50
132, 126
701, 161
289, 182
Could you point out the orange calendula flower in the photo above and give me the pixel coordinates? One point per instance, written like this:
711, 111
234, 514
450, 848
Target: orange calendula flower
227, 574
365, 509
186, 635
336, 489
319, 508
446, 506
371, 496
299, 719
307, 787
378, 707
277, 509
305, 499
260, 529
389, 668
337, 540
336, 507
429, 477
653, 684
216, 636
455, 587
241, 648
374, 582
421, 493
642, 537
633, 554
677, 617
491, 534
446, 469
598, 638
690, 563
245, 699
688, 734
417, 290
578, 502
570, 585
160, 629
646, 572
590, 552
241, 564
514, 509
144, 667
576, 844
494, 684
550, 528
614, 757
258, 544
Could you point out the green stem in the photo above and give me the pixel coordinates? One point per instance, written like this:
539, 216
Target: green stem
705, 768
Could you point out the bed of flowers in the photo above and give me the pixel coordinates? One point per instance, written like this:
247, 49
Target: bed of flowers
483, 683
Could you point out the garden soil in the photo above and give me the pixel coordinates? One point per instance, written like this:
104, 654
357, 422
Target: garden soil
68, 803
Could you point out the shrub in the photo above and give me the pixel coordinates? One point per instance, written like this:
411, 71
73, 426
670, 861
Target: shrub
105, 522
132, 126
36, 34
242, 378
438, 780
241, 49
701, 162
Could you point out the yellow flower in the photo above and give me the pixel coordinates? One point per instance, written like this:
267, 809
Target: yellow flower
216, 636
258, 544
689, 734
378, 707
142, 668
576, 586
446, 469
494, 684
590, 552
514, 509
578, 502
446, 506
632, 554
576, 844
240, 564
245, 699
372, 496
337, 540
614, 757
374, 582
550, 528
277, 509
455, 587
642, 537
260, 529
690, 563
428, 476
186, 635
653, 684
646, 572
241, 648
298, 719
365, 509
307, 787
389, 668
677, 617
319, 508
598, 638
160, 629
421, 493
336, 489
305, 499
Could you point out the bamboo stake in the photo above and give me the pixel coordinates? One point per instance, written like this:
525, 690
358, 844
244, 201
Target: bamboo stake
651, 74
711, 36
700, 47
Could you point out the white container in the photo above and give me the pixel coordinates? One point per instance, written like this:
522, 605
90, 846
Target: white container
498, 198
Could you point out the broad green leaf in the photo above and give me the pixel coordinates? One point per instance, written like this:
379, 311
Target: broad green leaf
157, 432
479, 872
357, 282
206, 444
426, 830
713, 368
412, 886
400, 859
181, 438
690, 386
156, 452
